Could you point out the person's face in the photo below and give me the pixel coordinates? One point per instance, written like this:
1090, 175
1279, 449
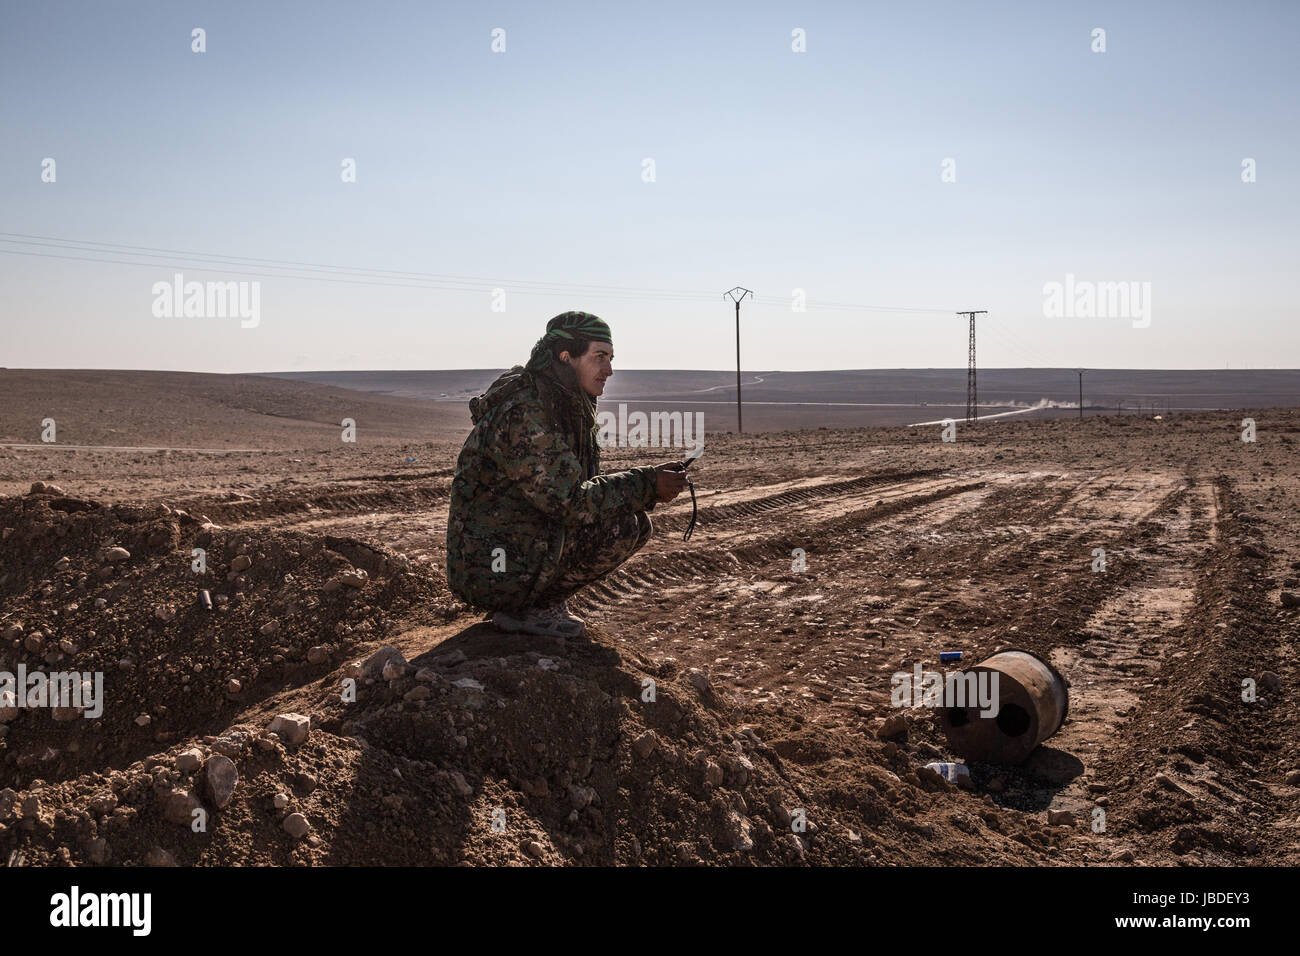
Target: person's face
592, 368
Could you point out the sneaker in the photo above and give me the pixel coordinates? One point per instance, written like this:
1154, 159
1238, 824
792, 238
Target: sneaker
553, 621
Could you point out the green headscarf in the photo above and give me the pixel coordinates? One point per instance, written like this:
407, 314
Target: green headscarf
565, 327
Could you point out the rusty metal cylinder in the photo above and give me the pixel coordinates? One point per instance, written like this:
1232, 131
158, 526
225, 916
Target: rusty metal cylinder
1032, 701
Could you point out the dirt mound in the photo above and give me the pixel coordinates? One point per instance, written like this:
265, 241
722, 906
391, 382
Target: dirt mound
484, 748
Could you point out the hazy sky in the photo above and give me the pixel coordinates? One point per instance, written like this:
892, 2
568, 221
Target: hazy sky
773, 169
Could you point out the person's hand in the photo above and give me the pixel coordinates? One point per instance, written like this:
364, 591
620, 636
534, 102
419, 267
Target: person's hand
670, 480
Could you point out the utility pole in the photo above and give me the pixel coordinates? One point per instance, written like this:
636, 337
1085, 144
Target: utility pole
740, 427
1081, 371
972, 405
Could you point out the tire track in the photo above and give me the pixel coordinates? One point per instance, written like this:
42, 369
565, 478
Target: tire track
646, 572
1128, 640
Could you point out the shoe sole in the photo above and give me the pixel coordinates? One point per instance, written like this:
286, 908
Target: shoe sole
503, 622
512, 626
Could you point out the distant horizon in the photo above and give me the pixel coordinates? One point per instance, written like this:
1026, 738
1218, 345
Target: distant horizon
721, 371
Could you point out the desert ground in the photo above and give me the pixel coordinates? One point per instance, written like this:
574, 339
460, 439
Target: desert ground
770, 738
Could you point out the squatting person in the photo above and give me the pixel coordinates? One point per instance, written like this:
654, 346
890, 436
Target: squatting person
532, 521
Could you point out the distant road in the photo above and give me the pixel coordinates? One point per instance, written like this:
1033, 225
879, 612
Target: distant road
206, 451
1018, 411
692, 401
713, 388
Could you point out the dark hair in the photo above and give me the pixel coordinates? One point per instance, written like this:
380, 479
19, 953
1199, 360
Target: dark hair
576, 347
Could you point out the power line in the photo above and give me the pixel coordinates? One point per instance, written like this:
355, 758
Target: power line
776, 300
292, 269
357, 276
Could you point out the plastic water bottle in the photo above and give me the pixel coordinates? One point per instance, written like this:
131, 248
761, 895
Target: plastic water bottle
952, 772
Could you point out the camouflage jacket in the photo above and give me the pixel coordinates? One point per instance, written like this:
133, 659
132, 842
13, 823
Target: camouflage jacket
519, 489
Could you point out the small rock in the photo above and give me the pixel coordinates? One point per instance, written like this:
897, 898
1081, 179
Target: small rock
1293, 778
395, 669
713, 775
63, 563
698, 679
178, 807
164, 612
737, 830
31, 807
222, 778
1291, 598
292, 728
418, 693
534, 849
581, 796
189, 760
281, 800
1169, 783
233, 686
376, 662
242, 562
269, 628
645, 745
1060, 818
35, 642
354, 579
143, 720
1270, 681
317, 655
296, 825
931, 779
114, 555
894, 725
458, 784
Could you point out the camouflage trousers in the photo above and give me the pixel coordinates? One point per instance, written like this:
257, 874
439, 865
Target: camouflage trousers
594, 550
